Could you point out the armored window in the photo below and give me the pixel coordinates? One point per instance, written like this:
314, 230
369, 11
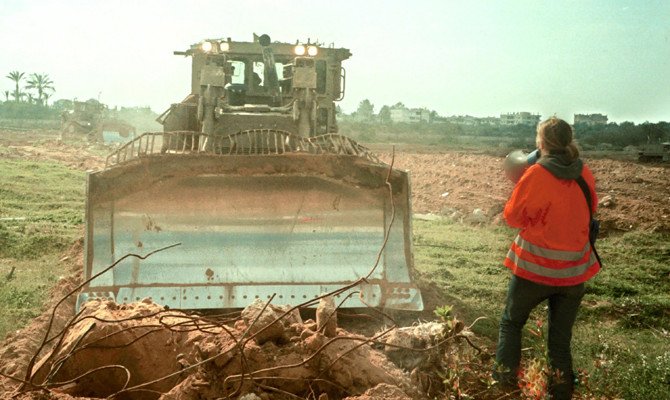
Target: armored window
237, 72
258, 77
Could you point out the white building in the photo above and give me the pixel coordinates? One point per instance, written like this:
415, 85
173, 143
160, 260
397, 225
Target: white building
590, 119
409, 115
520, 118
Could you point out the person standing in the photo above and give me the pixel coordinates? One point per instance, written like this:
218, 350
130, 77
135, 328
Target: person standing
551, 257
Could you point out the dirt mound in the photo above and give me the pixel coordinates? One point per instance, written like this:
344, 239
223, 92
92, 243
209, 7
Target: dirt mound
633, 196
143, 351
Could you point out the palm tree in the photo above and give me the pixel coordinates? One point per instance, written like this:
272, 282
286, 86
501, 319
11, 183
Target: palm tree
6, 95
16, 76
42, 83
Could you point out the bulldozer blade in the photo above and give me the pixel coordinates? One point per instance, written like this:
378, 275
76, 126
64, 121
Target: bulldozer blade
250, 226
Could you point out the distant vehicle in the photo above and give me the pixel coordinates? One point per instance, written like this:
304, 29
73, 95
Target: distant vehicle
93, 121
654, 152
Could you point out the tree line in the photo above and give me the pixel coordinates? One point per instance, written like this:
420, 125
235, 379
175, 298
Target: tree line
38, 82
365, 125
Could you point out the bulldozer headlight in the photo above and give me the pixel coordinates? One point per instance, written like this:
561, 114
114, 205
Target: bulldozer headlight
206, 46
299, 50
312, 51
224, 46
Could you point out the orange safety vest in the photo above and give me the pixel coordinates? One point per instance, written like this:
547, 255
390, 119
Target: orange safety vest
553, 246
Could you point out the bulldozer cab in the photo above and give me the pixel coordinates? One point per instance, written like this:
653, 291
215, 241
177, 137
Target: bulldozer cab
250, 176
249, 85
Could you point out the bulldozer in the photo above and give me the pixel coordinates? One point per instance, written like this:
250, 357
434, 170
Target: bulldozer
654, 152
265, 199
92, 121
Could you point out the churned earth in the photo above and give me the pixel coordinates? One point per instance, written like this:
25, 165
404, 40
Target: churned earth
632, 195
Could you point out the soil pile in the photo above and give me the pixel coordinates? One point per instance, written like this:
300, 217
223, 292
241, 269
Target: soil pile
143, 351
464, 186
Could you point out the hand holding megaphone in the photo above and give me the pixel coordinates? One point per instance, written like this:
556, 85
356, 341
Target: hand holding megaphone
517, 162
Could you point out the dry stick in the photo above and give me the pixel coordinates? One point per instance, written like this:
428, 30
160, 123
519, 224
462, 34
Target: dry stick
323, 328
311, 391
14, 378
58, 364
341, 290
385, 316
397, 346
387, 231
114, 366
191, 323
76, 349
165, 326
386, 236
241, 345
236, 345
467, 339
364, 279
224, 328
274, 389
72, 321
93, 345
29, 370
308, 359
308, 380
103, 320
475, 321
363, 343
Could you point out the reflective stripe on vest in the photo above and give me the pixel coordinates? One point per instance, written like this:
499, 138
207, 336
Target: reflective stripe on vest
556, 255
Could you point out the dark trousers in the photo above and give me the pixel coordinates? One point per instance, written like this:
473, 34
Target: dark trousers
522, 296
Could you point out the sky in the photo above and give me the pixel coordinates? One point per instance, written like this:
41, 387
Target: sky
476, 57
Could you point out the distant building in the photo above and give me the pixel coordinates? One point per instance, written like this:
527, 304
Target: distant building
590, 119
399, 114
470, 120
409, 115
462, 119
520, 118
493, 121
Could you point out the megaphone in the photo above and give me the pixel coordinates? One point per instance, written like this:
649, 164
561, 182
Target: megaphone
517, 162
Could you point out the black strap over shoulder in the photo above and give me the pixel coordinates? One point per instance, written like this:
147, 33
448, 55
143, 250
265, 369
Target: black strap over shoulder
587, 194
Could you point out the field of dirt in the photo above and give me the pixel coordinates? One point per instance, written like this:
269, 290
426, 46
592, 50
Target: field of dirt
202, 354
632, 195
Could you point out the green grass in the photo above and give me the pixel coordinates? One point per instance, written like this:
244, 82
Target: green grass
622, 334
41, 207
41, 213
22, 297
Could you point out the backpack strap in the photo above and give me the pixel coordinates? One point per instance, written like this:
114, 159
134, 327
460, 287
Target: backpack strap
587, 194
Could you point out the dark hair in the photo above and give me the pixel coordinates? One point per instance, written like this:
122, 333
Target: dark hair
556, 136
